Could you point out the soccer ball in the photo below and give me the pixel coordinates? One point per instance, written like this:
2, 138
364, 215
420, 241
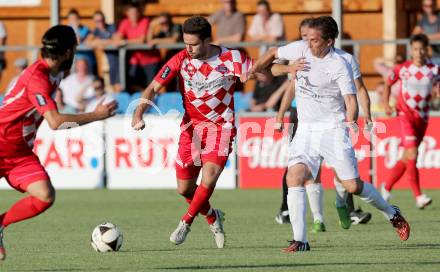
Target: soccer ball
106, 237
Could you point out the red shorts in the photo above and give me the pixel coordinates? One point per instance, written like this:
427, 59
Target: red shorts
198, 146
412, 131
22, 171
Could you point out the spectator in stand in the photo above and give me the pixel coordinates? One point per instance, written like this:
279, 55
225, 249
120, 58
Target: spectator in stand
143, 64
162, 30
230, 23
100, 37
266, 26
62, 107
82, 31
77, 86
429, 24
3, 36
268, 92
99, 95
20, 64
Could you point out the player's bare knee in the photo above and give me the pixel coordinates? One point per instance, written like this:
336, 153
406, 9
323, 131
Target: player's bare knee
46, 195
411, 154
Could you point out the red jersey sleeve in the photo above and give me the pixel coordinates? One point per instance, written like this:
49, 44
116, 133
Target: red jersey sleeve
393, 77
242, 62
39, 93
170, 69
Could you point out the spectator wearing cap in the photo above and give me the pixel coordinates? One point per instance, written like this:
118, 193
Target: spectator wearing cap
230, 23
101, 36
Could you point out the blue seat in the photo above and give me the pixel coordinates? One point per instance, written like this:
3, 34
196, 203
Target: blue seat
1, 99
242, 101
167, 102
123, 100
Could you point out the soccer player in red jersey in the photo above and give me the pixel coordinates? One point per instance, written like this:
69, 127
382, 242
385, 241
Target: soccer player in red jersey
418, 78
22, 111
207, 76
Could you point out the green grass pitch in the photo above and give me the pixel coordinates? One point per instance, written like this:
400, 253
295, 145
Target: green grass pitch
59, 240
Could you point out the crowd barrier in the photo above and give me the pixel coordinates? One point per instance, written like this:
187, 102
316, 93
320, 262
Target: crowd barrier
111, 155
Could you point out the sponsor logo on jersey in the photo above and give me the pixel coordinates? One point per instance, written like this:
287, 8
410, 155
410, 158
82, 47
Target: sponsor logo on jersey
222, 69
165, 72
41, 100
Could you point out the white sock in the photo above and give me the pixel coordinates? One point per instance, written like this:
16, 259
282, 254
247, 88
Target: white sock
370, 195
315, 193
296, 201
341, 194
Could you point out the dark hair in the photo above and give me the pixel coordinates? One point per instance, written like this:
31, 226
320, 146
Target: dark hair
305, 22
327, 25
100, 79
167, 15
264, 3
57, 41
99, 12
420, 38
73, 12
197, 25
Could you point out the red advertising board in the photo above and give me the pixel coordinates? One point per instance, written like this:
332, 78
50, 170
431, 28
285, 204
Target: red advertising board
388, 151
262, 154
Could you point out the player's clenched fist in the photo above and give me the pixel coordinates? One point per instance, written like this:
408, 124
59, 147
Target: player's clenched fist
137, 123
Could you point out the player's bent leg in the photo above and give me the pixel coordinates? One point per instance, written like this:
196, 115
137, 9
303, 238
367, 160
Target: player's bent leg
296, 199
41, 197
369, 194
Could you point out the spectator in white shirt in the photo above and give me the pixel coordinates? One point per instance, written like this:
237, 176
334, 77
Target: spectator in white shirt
266, 26
78, 85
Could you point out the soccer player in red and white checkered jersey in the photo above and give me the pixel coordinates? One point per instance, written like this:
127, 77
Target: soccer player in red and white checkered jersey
22, 111
207, 75
419, 78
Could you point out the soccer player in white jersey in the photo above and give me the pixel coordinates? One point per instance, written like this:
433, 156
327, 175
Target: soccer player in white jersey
327, 110
315, 193
207, 75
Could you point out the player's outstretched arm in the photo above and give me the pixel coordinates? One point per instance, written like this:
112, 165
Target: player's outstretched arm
286, 101
291, 68
364, 98
264, 61
58, 120
146, 100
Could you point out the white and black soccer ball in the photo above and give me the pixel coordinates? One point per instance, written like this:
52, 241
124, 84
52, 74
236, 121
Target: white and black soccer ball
106, 237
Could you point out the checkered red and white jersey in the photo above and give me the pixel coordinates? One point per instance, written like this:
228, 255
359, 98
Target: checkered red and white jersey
23, 107
207, 86
416, 86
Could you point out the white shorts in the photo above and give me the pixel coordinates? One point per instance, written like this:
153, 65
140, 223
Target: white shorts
310, 147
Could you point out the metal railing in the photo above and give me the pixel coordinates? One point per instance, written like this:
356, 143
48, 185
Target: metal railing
356, 44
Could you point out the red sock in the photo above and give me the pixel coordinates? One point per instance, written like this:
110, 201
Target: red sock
413, 175
25, 208
205, 211
396, 174
199, 201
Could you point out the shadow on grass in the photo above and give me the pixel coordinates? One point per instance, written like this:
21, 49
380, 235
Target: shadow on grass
289, 265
